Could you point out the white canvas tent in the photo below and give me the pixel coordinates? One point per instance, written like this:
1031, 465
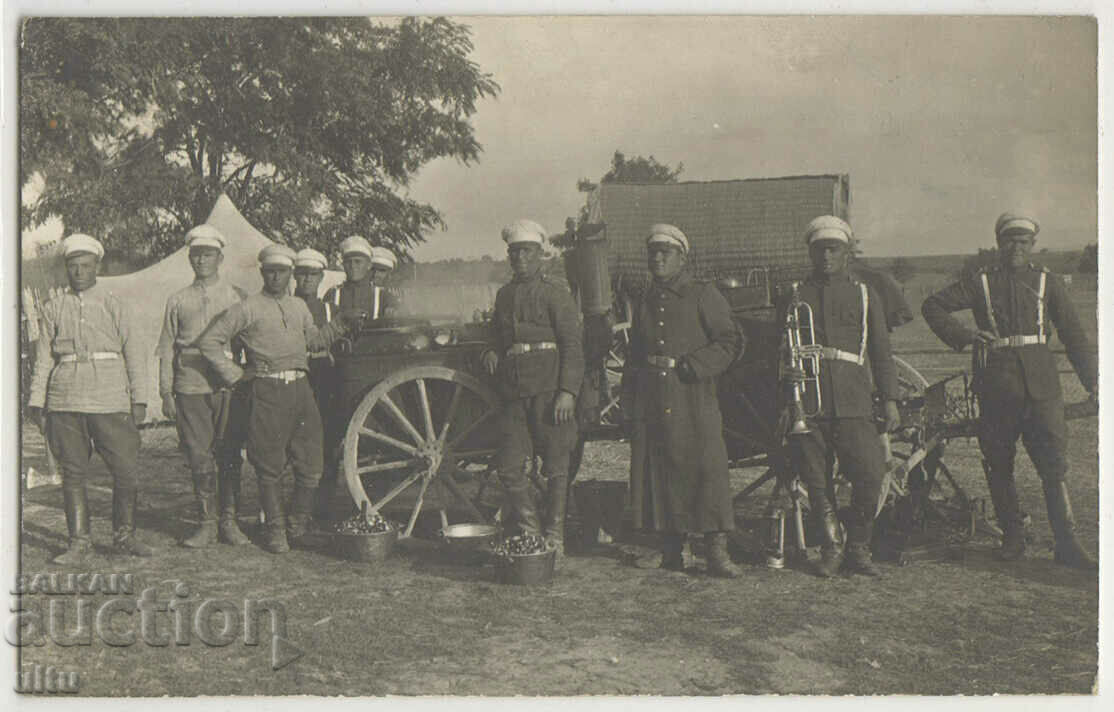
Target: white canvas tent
147, 290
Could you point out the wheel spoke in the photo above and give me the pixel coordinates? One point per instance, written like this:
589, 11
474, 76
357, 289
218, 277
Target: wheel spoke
468, 431
410, 449
402, 419
398, 489
427, 414
417, 507
455, 488
450, 412
385, 466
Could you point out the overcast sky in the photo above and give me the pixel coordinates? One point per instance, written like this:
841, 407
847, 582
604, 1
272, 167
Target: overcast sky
942, 123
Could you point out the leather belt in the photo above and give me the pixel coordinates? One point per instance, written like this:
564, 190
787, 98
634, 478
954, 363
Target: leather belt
1010, 342
830, 353
661, 361
517, 349
89, 356
194, 351
288, 376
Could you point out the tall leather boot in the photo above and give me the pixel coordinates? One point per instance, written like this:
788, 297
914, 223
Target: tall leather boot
301, 509
831, 543
673, 551
858, 559
557, 498
124, 540
719, 560
1068, 550
1007, 509
229, 530
76, 504
204, 488
520, 507
274, 528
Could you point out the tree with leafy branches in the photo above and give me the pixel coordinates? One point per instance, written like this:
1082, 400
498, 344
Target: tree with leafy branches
638, 169
131, 128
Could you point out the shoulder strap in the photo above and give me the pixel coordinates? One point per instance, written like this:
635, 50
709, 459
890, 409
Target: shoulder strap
328, 311
1040, 305
989, 305
866, 305
375, 290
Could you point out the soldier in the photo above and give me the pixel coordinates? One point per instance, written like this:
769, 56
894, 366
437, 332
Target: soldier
277, 331
89, 391
309, 269
850, 324
193, 395
539, 363
1018, 385
364, 267
682, 338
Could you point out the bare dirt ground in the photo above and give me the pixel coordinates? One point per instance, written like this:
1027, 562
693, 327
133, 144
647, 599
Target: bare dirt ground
422, 624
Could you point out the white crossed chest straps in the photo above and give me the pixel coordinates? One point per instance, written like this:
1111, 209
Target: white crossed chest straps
1024, 339
375, 292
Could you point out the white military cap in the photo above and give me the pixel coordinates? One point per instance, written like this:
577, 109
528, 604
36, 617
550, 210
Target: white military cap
355, 244
276, 254
383, 256
523, 231
828, 227
669, 234
205, 235
1013, 222
310, 259
79, 243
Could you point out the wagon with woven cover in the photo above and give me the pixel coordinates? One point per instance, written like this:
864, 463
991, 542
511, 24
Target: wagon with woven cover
420, 410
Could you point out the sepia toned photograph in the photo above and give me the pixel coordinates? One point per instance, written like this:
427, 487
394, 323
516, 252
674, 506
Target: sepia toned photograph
556, 356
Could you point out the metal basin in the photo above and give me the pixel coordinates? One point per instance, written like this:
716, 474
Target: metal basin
468, 543
366, 547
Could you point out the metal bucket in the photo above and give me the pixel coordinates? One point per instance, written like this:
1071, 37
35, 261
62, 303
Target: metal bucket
366, 547
526, 569
601, 505
468, 543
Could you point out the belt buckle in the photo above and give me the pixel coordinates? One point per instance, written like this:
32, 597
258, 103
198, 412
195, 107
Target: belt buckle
82, 357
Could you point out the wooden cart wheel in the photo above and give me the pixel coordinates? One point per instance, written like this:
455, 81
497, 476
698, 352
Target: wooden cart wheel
611, 413
909, 379
417, 427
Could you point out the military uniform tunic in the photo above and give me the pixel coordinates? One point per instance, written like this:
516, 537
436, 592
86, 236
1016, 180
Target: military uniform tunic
1019, 389
679, 478
535, 310
844, 425
365, 295
202, 401
284, 423
90, 369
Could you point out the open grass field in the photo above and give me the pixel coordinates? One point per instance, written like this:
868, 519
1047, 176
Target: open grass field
422, 624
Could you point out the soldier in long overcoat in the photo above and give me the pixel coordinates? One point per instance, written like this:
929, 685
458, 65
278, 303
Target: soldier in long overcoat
682, 338
1017, 380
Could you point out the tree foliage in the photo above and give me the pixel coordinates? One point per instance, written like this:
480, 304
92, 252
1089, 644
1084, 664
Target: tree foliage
638, 169
902, 269
312, 126
1089, 261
